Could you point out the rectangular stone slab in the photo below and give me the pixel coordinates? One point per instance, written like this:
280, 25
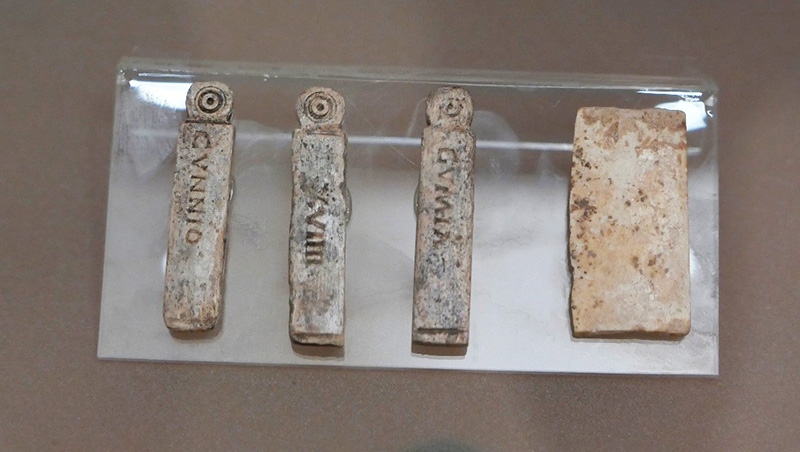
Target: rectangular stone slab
629, 224
198, 220
443, 258
317, 237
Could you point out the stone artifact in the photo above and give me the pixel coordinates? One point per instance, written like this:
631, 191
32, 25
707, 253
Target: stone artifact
629, 224
318, 220
443, 260
199, 211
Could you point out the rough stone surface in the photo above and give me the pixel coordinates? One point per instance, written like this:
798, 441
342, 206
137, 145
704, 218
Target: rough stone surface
629, 224
199, 211
318, 220
443, 260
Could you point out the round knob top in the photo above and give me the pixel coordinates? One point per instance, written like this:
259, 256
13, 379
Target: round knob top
209, 101
320, 107
449, 106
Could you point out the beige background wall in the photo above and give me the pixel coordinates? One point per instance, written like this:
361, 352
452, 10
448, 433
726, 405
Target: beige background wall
57, 63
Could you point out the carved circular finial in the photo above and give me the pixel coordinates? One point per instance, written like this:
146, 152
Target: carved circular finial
320, 106
449, 106
209, 101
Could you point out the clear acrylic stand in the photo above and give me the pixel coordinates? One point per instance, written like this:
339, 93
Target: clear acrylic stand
521, 280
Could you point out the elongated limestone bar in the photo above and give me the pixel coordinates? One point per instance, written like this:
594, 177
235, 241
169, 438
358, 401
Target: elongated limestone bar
443, 258
199, 211
629, 224
318, 220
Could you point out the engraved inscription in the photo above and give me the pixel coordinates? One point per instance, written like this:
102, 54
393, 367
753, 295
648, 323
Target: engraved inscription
443, 190
193, 236
197, 186
315, 233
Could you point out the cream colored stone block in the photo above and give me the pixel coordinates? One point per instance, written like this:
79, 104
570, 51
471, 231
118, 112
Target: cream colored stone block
629, 224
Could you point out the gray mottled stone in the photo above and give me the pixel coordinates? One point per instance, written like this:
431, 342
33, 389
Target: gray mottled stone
629, 224
443, 260
318, 220
199, 210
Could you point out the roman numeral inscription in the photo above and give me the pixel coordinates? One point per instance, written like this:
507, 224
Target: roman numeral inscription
318, 220
199, 210
315, 235
443, 257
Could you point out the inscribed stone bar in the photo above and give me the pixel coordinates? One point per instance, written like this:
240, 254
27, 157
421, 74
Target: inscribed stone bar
199, 210
443, 257
318, 220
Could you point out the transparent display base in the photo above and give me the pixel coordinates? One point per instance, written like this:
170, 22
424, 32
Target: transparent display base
520, 277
